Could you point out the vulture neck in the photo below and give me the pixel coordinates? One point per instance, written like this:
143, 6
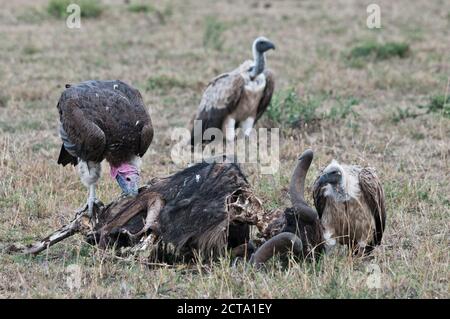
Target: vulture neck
260, 64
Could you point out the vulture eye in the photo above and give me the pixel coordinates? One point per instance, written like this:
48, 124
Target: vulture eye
128, 179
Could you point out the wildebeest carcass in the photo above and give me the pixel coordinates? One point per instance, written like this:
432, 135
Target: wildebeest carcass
207, 208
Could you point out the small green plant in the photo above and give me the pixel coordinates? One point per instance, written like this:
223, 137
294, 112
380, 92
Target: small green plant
140, 7
212, 37
89, 8
378, 51
287, 108
402, 114
343, 109
438, 104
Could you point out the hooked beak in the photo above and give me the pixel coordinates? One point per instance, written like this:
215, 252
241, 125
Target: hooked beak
328, 178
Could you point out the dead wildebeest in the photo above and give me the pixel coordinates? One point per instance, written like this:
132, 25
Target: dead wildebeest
207, 208
299, 228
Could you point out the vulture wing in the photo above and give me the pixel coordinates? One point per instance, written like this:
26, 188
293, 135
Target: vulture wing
319, 199
81, 137
220, 98
374, 195
267, 96
103, 119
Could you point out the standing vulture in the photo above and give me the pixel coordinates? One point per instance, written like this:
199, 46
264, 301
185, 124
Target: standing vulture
350, 202
104, 120
237, 98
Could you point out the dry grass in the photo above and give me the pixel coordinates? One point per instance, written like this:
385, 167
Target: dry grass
38, 55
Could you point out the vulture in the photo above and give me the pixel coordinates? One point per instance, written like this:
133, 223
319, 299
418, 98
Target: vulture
237, 98
104, 120
350, 202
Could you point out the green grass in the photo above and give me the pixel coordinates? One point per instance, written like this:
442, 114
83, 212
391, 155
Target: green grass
140, 7
438, 104
379, 51
213, 33
288, 108
89, 8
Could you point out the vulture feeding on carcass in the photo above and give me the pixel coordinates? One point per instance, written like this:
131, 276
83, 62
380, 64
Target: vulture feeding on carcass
236, 99
350, 203
104, 120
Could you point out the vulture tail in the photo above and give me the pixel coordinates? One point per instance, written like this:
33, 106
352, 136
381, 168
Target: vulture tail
65, 157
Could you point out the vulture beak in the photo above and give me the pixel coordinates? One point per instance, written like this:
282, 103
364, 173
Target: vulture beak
129, 183
329, 178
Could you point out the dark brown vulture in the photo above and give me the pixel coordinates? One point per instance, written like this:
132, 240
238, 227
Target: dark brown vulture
237, 98
350, 202
104, 120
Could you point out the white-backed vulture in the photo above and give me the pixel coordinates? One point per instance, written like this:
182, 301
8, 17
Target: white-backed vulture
237, 98
104, 120
350, 202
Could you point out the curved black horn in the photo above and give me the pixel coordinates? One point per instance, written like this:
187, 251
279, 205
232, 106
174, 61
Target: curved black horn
278, 244
297, 187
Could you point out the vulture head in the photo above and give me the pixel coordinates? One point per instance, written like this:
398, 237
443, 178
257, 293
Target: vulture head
337, 183
262, 44
127, 176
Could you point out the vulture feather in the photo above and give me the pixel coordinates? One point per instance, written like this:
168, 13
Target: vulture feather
350, 202
104, 120
237, 98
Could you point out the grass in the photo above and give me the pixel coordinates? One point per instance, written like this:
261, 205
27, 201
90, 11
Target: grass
213, 34
288, 109
165, 83
373, 51
89, 8
140, 7
438, 104
313, 80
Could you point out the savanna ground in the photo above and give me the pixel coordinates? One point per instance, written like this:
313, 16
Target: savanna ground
376, 105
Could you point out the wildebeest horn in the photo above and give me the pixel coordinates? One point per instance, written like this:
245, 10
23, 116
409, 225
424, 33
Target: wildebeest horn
297, 187
280, 244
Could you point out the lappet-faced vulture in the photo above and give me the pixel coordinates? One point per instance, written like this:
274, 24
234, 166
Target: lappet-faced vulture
237, 98
104, 120
350, 202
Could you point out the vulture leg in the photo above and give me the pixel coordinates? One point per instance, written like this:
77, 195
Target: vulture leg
228, 128
89, 174
247, 126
